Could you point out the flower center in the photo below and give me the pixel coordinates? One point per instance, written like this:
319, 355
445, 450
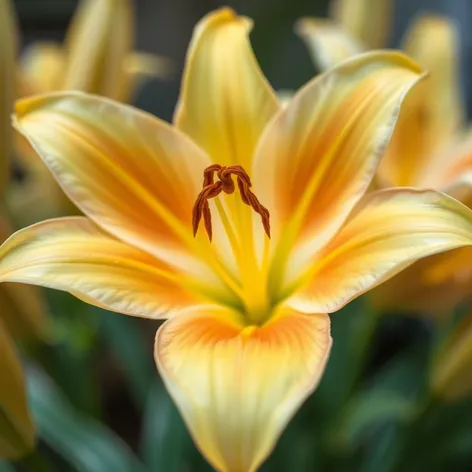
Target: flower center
225, 183
249, 275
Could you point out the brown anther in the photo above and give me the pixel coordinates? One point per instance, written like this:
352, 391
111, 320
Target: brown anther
212, 189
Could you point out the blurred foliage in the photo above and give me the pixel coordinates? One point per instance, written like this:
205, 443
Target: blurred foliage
98, 404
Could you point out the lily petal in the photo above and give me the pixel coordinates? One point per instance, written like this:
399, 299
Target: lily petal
426, 125
75, 255
236, 387
43, 67
98, 41
16, 428
317, 158
131, 173
387, 232
225, 101
327, 42
434, 42
367, 20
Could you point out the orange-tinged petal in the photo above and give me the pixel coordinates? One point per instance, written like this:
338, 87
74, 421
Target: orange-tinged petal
131, 173
451, 374
98, 41
235, 387
450, 169
367, 20
410, 151
386, 233
225, 101
432, 113
327, 42
74, 255
318, 156
43, 66
16, 428
8, 83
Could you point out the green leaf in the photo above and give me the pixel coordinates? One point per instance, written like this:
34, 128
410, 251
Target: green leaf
6, 467
352, 329
383, 452
72, 360
165, 442
135, 356
85, 444
367, 412
403, 377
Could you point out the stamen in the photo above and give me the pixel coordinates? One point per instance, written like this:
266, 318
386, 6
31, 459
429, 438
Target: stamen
212, 189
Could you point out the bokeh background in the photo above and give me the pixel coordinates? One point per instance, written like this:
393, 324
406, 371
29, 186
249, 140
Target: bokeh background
93, 388
165, 27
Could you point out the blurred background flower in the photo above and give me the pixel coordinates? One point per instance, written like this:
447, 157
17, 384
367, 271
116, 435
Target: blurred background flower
22, 311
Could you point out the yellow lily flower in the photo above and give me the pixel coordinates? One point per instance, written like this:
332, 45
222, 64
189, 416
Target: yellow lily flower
21, 309
247, 333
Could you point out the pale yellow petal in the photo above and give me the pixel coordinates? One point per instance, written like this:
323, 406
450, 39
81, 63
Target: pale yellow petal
74, 255
451, 373
98, 41
225, 100
434, 42
16, 428
8, 83
43, 65
327, 43
235, 387
386, 233
133, 174
368, 20
432, 113
317, 158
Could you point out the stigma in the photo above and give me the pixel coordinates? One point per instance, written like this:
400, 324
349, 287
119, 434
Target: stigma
225, 184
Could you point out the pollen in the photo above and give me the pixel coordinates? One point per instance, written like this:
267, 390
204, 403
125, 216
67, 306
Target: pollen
225, 184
